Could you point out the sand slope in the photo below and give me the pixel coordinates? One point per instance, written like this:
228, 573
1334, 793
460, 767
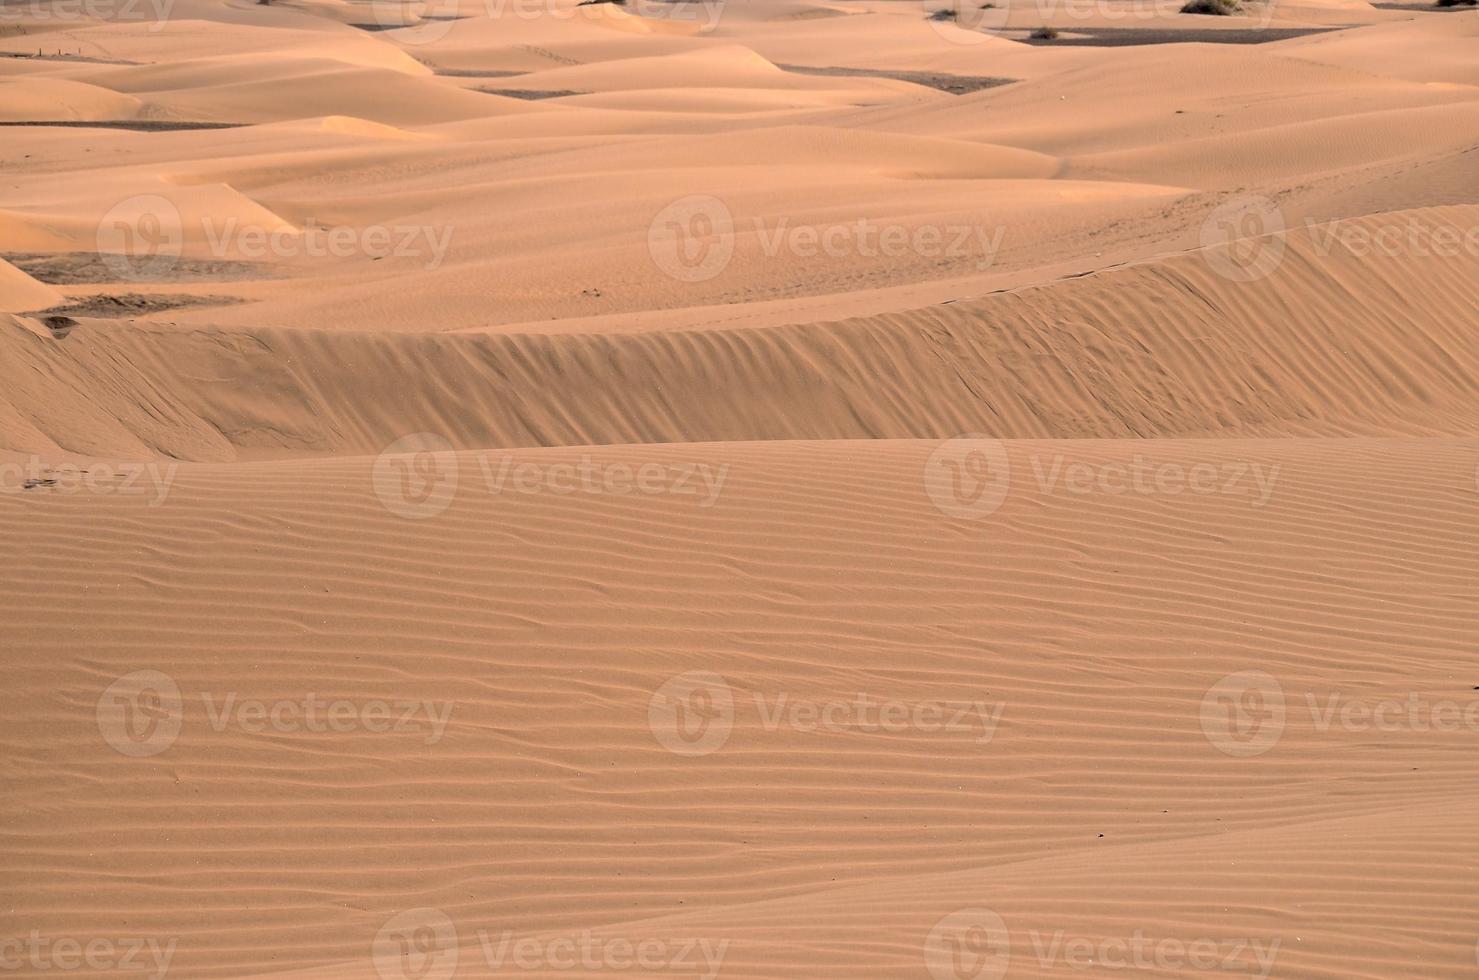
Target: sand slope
819, 571
1164, 348
20, 293
509, 581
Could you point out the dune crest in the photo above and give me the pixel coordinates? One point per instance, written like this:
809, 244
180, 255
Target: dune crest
1162, 348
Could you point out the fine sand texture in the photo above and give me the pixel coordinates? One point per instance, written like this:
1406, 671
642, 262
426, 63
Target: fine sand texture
739, 490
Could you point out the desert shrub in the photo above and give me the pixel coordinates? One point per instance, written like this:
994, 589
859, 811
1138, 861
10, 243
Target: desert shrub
1213, 8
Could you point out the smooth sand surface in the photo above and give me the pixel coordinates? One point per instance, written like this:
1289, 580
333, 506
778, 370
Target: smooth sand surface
755, 490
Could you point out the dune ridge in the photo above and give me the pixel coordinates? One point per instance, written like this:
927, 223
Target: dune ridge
1331, 343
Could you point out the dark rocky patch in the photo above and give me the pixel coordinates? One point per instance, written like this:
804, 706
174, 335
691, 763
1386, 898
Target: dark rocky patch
954, 84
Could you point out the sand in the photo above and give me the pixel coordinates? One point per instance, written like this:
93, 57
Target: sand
750, 490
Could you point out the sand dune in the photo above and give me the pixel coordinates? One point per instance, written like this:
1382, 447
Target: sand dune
147, 40
1421, 50
57, 98
770, 489
1096, 622
380, 95
1166, 348
20, 293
